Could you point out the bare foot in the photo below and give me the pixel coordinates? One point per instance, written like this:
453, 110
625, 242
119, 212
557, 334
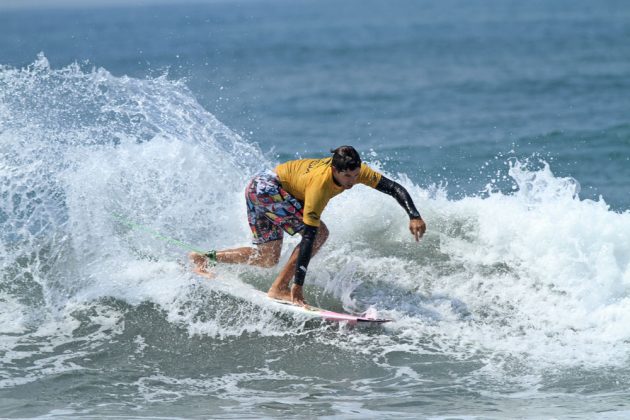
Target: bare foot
201, 265
280, 294
198, 259
204, 273
285, 295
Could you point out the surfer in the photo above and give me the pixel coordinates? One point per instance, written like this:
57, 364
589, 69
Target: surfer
291, 199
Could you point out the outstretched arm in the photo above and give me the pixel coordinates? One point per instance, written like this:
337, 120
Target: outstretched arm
416, 224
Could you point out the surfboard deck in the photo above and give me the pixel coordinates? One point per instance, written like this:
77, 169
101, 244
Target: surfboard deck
326, 315
312, 311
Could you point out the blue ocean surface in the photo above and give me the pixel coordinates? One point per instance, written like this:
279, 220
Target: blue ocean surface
507, 121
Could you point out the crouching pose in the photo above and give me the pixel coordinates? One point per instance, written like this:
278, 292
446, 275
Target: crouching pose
291, 199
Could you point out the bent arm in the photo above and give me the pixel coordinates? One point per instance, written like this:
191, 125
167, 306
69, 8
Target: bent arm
306, 250
401, 195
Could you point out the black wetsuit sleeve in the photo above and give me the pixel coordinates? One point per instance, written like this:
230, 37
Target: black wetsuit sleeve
306, 249
401, 195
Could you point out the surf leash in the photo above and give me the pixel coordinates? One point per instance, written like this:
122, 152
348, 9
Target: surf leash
156, 234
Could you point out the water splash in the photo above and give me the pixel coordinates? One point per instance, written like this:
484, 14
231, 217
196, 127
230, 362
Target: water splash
535, 275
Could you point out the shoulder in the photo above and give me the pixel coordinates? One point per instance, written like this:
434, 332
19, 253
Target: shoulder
369, 176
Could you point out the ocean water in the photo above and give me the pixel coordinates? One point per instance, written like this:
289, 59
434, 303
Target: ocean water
507, 121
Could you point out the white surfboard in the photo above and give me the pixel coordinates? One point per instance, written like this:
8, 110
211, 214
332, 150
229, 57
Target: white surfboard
309, 310
326, 315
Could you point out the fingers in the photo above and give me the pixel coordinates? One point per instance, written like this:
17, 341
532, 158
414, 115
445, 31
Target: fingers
417, 228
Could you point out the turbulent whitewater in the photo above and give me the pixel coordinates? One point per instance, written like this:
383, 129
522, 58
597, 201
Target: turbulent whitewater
521, 289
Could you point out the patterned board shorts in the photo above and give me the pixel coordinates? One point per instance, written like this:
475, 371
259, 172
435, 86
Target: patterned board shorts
270, 209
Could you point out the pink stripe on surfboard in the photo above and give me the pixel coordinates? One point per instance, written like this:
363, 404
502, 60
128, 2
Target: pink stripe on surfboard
330, 315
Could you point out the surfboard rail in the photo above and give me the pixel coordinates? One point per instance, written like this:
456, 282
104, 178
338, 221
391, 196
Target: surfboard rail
330, 316
310, 310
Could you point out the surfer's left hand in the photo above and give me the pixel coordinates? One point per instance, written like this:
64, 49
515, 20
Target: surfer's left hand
297, 297
417, 228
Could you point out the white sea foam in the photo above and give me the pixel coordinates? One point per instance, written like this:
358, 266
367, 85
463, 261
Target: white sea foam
36, 354
544, 274
538, 275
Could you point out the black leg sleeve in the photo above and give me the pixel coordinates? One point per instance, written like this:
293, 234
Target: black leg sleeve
401, 195
306, 250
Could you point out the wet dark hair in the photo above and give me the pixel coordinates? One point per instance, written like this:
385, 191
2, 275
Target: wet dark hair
345, 158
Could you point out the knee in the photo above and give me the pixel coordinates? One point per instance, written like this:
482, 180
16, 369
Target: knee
322, 233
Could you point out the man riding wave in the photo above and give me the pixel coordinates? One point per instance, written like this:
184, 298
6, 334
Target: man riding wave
291, 199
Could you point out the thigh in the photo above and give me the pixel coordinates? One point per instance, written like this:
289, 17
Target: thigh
271, 210
258, 200
263, 230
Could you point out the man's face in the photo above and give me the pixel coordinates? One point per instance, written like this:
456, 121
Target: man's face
347, 179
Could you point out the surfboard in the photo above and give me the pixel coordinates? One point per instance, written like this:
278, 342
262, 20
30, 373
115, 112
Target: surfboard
309, 310
326, 315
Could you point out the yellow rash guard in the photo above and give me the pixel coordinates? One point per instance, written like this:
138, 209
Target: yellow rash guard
311, 182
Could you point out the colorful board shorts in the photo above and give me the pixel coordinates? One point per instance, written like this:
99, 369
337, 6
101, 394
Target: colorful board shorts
270, 209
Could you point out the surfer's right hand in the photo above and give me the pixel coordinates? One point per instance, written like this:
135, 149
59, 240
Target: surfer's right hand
417, 228
297, 297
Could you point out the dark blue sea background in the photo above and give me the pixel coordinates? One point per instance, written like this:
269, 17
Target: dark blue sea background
508, 122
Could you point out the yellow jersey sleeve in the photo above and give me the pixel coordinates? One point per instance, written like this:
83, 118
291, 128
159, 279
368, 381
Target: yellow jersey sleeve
369, 176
